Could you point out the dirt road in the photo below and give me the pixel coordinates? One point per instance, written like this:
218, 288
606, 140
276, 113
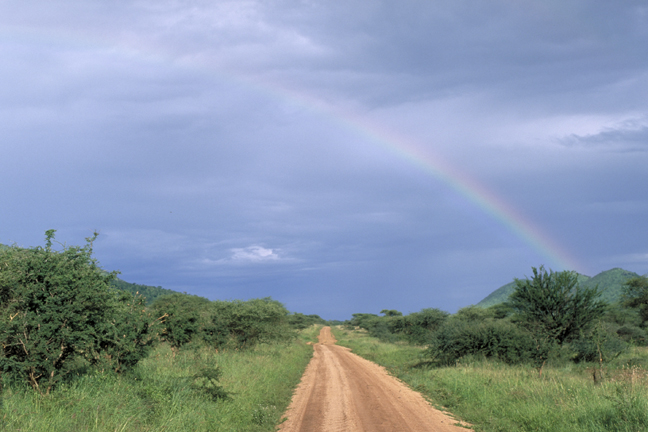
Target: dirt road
341, 391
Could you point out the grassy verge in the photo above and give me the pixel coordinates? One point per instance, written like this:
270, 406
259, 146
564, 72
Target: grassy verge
310, 334
160, 394
496, 397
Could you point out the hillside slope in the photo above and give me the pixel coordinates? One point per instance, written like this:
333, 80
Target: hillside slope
609, 282
150, 293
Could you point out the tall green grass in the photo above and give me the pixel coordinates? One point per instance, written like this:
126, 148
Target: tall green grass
160, 394
496, 397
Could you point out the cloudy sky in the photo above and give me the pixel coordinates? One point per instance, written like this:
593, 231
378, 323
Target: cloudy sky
338, 156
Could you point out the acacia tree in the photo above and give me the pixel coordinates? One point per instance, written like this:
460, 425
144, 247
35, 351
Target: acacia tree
553, 305
52, 306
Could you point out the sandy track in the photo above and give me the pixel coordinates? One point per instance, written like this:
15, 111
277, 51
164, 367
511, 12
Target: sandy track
341, 391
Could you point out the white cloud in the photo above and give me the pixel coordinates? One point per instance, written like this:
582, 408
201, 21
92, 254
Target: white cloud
254, 254
249, 255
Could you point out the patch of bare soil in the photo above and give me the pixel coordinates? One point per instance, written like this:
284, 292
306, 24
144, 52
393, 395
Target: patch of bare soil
341, 391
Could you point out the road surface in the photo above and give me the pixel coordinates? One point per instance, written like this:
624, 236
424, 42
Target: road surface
341, 391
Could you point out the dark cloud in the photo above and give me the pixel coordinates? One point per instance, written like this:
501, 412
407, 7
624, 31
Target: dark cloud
629, 136
243, 149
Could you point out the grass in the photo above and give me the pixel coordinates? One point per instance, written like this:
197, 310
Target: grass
496, 397
160, 394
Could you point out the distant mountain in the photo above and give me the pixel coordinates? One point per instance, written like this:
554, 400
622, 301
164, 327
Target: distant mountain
150, 293
609, 282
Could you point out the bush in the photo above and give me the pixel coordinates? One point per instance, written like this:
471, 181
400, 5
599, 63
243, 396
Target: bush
300, 321
54, 304
127, 335
250, 322
490, 338
600, 344
419, 327
632, 334
181, 317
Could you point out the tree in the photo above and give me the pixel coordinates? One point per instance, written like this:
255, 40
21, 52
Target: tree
553, 305
391, 312
635, 295
53, 304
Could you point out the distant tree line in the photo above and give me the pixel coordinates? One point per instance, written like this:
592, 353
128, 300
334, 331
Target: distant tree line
548, 316
61, 315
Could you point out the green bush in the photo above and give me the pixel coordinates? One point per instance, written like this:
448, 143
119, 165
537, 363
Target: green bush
498, 339
127, 335
252, 321
632, 334
600, 344
419, 327
300, 321
54, 305
181, 317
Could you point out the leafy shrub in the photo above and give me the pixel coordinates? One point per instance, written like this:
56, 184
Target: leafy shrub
180, 317
635, 295
300, 321
127, 335
600, 344
251, 322
419, 327
54, 304
490, 338
632, 334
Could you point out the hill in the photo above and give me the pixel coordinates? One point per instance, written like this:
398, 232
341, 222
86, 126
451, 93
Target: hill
609, 282
147, 291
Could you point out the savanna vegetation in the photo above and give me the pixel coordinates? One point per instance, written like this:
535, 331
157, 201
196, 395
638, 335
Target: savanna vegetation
554, 357
79, 352
82, 350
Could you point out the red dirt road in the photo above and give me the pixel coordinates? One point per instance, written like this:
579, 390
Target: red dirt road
341, 391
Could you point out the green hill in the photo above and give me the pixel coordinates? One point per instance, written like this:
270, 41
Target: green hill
147, 291
609, 282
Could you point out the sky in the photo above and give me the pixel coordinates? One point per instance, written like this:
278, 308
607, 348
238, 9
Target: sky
337, 156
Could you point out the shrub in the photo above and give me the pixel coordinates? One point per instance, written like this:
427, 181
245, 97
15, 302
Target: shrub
419, 327
490, 338
127, 335
300, 321
632, 334
600, 344
635, 295
180, 317
251, 322
54, 304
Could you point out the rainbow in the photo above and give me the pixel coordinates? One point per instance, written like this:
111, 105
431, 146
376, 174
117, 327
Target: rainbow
477, 194
480, 196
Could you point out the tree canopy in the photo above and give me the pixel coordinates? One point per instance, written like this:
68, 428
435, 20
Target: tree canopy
554, 304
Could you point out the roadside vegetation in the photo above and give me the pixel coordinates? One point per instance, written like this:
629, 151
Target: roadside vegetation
555, 357
79, 354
